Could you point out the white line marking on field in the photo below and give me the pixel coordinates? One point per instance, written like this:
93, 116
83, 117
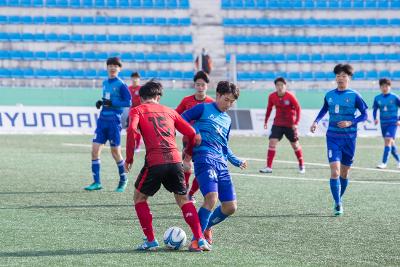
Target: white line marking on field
325, 165
268, 176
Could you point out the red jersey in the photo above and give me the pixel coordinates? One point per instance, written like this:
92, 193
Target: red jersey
157, 124
287, 109
190, 101
135, 95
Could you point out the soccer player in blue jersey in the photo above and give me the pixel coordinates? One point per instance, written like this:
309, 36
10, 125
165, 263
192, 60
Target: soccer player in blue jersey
116, 97
388, 105
342, 104
211, 157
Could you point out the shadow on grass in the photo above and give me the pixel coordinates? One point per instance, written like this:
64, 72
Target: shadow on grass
69, 252
82, 206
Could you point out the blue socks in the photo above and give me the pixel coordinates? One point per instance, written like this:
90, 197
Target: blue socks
394, 153
385, 154
121, 171
343, 185
204, 217
96, 170
216, 217
335, 190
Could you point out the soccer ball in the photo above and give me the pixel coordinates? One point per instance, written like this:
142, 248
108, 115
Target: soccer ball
175, 238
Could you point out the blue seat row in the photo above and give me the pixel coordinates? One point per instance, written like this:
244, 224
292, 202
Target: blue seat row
95, 38
312, 40
98, 20
310, 4
310, 22
313, 58
95, 56
315, 76
91, 74
134, 4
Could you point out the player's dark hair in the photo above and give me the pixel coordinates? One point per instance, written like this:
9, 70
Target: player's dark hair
280, 79
114, 61
225, 87
346, 68
151, 89
201, 75
135, 74
384, 81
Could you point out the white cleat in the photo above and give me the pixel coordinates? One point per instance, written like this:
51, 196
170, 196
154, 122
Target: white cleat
266, 170
302, 169
381, 166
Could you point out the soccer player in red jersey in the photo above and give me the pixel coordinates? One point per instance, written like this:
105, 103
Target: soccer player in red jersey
134, 90
201, 81
286, 120
163, 163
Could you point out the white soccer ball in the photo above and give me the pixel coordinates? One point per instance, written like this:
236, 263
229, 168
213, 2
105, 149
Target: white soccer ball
175, 238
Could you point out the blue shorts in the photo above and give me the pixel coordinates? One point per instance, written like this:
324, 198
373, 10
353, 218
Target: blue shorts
215, 177
341, 149
389, 131
108, 130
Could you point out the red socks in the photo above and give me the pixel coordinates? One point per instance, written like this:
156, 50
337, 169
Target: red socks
194, 188
270, 157
299, 155
145, 219
192, 219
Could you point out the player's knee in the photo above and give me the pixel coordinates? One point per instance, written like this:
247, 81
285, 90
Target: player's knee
229, 209
210, 201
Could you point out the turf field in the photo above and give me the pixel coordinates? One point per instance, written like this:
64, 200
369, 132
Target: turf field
284, 218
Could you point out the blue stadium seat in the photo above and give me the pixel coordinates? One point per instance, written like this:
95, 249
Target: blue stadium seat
75, 3
163, 74
160, 21
125, 20
148, 21
87, 20
27, 55
87, 3
163, 39
359, 75
149, 39
384, 73
28, 73
171, 4
393, 57
159, 4
53, 55
320, 76
187, 75
396, 75
51, 20
112, 20
25, 3
40, 55
89, 56
14, 20
77, 56
64, 55
66, 74
125, 38
90, 74
100, 20
370, 4
371, 75
184, 4
185, 21
78, 74
27, 37
89, 38
38, 3
40, 73
113, 38
76, 20
125, 4
294, 76
76, 38
100, 4
102, 56
173, 21
100, 38
307, 76
381, 57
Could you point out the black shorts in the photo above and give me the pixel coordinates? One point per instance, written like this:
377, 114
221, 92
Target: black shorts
278, 132
170, 175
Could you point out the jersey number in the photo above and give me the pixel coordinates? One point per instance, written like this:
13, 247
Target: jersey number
159, 126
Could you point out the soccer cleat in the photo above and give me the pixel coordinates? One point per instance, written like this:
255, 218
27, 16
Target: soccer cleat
266, 170
381, 166
121, 186
338, 210
208, 233
94, 186
199, 245
153, 245
302, 169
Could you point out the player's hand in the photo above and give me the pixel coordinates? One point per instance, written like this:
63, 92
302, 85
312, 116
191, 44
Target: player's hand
265, 126
344, 124
243, 165
197, 140
128, 166
398, 123
107, 102
294, 127
187, 163
376, 122
99, 104
313, 127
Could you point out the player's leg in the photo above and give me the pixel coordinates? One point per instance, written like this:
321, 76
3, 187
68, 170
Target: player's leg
393, 148
274, 138
98, 142
292, 136
187, 170
174, 181
386, 150
147, 184
348, 151
193, 190
334, 157
115, 144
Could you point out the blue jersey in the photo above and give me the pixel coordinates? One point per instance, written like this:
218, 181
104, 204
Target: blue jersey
388, 105
214, 127
117, 91
342, 106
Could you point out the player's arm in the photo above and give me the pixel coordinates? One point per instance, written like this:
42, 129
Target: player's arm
320, 115
235, 161
374, 111
187, 130
269, 110
362, 107
130, 137
194, 113
180, 108
124, 101
297, 109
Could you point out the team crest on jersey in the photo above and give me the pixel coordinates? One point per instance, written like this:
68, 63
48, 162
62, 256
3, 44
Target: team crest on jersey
286, 102
330, 100
347, 100
211, 116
